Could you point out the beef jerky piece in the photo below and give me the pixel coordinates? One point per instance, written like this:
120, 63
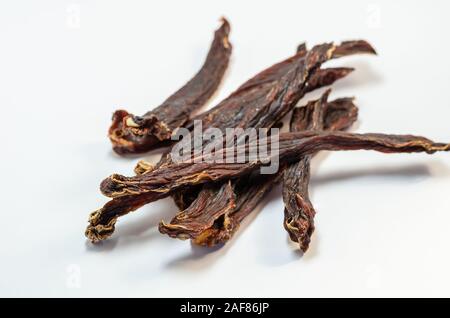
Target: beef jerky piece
249, 191
224, 201
340, 114
349, 47
102, 222
301, 48
137, 134
325, 77
258, 103
271, 74
290, 147
299, 211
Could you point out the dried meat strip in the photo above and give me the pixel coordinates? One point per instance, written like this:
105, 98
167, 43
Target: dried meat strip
137, 134
299, 211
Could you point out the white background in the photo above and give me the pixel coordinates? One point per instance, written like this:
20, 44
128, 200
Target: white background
383, 220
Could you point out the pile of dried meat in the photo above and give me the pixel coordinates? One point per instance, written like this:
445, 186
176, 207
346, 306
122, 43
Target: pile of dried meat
214, 196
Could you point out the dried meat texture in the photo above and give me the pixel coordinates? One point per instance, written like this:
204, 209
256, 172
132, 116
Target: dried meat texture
260, 102
319, 78
264, 99
253, 98
349, 47
199, 169
275, 91
291, 147
325, 77
299, 211
137, 134
301, 80
216, 116
224, 114
223, 203
250, 190
248, 193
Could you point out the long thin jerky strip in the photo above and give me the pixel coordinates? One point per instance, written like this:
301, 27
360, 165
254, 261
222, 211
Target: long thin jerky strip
290, 147
137, 134
250, 190
253, 100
